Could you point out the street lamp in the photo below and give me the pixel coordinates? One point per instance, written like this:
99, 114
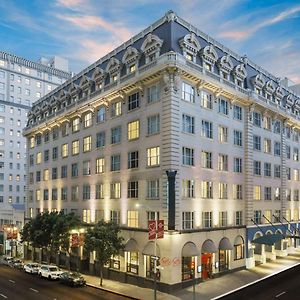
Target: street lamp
155, 249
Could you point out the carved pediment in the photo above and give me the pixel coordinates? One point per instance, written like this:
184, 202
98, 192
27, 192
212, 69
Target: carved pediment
240, 71
189, 42
98, 74
258, 81
113, 66
225, 63
84, 81
209, 54
278, 93
270, 86
151, 44
130, 56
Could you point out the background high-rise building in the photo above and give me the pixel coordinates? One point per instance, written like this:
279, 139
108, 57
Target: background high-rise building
22, 82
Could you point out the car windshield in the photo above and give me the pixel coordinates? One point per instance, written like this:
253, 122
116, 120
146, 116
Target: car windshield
34, 266
53, 269
74, 275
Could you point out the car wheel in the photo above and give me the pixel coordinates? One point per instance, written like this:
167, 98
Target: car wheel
49, 277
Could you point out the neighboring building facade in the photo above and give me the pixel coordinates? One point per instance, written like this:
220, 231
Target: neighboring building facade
21, 83
171, 99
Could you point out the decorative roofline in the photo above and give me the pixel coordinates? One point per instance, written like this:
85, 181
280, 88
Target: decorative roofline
35, 65
170, 16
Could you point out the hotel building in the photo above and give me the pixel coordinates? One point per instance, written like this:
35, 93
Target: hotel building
21, 83
171, 125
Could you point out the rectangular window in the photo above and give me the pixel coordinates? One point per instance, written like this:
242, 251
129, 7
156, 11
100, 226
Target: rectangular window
75, 147
133, 130
54, 194
257, 192
257, 216
268, 193
256, 119
257, 168
87, 143
133, 159
115, 162
88, 120
115, 190
288, 152
46, 194
223, 134
99, 191
116, 135
295, 154
188, 124
75, 124
237, 192
133, 101
86, 168
267, 146
133, 218
133, 189
64, 193
206, 100
223, 190
153, 124
187, 156
257, 143
237, 165
207, 129
223, 218
187, 220
64, 150
277, 148
115, 216
153, 156
153, 93
75, 170
100, 139
188, 92
237, 138
277, 171
188, 188
223, 162
54, 173
267, 169
267, 123
207, 160
223, 106
100, 165
101, 114
116, 109
238, 222
237, 112
207, 219
207, 189
75, 193
86, 216
54, 153
153, 189
295, 175
64, 171
86, 192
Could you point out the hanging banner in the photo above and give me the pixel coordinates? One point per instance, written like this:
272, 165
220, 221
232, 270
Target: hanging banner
160, 229
74, 240
151, 229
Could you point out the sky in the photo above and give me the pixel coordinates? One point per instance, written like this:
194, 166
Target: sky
82, 31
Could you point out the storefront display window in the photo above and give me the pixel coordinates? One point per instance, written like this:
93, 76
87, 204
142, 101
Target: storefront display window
188, 268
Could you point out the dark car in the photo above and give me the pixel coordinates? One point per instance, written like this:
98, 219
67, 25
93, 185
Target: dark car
72, 279
18, 264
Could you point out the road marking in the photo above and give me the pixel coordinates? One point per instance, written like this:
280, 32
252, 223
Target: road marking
277, 296
36, 291
12, 281
3, 296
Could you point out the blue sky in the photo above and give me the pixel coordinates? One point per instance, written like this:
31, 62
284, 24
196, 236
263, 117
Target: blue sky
267, 31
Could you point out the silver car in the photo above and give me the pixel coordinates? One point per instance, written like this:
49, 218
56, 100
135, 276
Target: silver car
31, 268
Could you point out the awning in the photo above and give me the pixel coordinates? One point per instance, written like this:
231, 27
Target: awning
269, 239
225, 244
131, 246
209, 247
150, 249
238, 240
190, 249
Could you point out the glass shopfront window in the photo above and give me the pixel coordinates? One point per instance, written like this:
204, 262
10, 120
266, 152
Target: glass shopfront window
115, 262
132, 262
223, 260
150, 267
188, 268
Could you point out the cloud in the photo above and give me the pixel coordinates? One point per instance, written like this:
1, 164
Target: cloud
71, 4
88, 23
244, 34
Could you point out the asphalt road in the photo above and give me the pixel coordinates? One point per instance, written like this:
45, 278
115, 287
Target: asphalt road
283, 286
18, 285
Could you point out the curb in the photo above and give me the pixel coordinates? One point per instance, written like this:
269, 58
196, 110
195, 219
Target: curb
111, 291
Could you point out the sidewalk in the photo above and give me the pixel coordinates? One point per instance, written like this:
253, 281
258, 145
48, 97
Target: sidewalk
204, 290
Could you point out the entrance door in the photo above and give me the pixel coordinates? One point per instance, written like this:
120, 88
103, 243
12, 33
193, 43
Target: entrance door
206, 262
223, 260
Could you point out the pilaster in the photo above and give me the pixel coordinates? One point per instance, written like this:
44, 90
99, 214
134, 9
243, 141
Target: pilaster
283, 171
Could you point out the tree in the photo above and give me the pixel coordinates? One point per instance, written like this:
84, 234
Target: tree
104, 239
50, 231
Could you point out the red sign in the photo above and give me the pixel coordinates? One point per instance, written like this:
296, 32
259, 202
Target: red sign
160, 229
151, 229
74, 240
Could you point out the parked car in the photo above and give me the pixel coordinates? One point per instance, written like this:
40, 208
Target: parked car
72, 279
32, 268
6, 260
17, 263
49, 271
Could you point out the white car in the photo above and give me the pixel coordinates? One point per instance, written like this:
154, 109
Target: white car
31, 268
50, 272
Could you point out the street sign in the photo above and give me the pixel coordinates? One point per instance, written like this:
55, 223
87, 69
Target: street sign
151, 229
160, 229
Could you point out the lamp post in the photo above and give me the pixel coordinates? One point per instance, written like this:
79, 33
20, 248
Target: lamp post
155, 249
